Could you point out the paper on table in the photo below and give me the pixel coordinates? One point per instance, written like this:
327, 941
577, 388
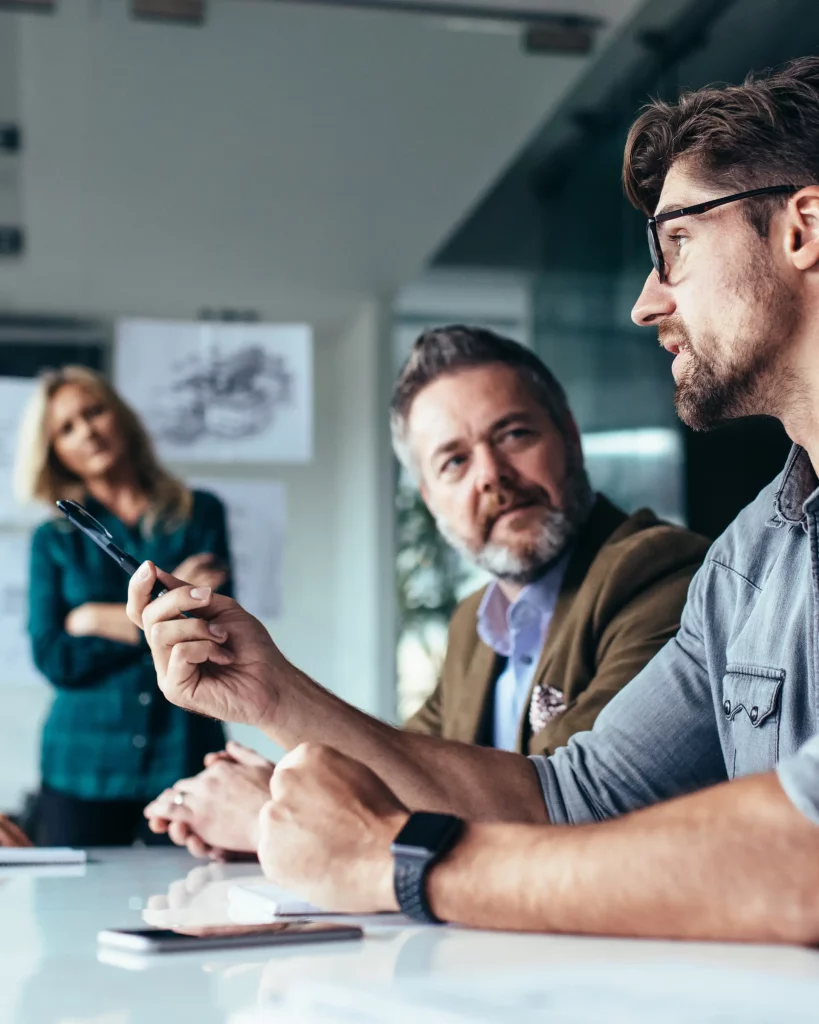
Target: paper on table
10, 855
254, 902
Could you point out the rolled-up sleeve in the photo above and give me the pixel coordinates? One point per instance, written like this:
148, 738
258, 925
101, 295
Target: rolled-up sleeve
799, 777
657, 739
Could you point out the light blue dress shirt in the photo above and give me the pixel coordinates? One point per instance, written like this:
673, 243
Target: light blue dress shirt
517, 632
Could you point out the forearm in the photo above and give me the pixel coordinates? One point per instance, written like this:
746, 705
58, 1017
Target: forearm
737, 862
110, 622
425, 772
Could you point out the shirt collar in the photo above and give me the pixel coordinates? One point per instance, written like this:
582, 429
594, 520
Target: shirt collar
798, 485
496, 614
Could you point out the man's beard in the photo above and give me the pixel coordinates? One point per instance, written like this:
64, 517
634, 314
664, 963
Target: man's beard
751, 381
553, 533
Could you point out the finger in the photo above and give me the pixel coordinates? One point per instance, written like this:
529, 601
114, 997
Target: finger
183, 665
197, 847
159, 804
158, 825
183, 602
139, 591
164, 806
247, 756
217, 756
179, 832
166, 634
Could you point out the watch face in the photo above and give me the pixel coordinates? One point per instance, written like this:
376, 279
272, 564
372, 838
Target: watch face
426, 831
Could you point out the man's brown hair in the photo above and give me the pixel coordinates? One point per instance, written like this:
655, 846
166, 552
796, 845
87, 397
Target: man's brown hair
736, 137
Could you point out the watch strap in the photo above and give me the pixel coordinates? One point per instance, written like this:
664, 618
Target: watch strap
409, 879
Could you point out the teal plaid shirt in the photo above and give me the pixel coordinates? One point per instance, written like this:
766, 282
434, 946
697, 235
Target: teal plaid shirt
110, 734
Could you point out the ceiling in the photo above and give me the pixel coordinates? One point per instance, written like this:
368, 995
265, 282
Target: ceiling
284, 158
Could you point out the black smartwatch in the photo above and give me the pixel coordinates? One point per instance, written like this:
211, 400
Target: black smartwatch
424, 839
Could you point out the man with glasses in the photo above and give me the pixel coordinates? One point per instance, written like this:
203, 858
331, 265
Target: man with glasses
728, 708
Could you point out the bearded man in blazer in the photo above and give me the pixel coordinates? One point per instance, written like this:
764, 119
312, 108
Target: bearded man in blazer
583, 595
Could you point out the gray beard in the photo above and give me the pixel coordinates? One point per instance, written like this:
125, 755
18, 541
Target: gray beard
557, 528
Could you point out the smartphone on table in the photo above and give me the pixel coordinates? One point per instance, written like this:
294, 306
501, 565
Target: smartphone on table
279, 933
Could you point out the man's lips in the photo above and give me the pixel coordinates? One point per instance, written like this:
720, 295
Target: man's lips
502, 513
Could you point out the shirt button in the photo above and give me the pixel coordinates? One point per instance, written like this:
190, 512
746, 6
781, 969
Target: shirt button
526, 659
754, 714
144, 698
726, 707
139, 742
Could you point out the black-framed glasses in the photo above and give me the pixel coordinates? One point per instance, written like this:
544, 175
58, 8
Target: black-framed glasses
654, 246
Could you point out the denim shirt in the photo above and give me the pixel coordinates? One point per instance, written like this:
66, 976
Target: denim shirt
735, 692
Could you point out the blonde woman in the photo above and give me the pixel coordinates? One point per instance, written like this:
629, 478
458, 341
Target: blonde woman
111, 741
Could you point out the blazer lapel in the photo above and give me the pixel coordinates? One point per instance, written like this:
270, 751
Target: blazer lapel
480, 675
603, 520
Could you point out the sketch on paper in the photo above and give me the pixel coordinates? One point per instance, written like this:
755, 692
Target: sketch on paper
220, 392
230, 396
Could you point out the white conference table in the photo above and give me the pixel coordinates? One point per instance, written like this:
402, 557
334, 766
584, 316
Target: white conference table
50, 971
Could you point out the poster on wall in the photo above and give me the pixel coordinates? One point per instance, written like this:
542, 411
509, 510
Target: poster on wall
256, 514
14, 395
17, 668
220, 392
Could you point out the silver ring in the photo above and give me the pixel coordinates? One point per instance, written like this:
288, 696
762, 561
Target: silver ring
178, 799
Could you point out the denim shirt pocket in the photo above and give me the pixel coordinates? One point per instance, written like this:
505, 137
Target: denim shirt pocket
750, 709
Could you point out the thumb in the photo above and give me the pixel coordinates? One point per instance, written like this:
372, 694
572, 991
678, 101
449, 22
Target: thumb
244, 755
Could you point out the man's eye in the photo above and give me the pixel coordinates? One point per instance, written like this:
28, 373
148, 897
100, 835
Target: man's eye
517, 433
452, 463
678, 240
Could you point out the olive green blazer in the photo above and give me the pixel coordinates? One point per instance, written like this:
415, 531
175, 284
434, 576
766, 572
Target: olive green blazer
621, 600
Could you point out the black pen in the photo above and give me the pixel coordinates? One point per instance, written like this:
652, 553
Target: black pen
95, 531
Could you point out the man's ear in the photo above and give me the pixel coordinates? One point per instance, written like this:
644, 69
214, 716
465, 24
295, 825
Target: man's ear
802, 233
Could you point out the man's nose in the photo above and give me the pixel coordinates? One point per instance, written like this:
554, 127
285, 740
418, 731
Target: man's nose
654, 303
490, 471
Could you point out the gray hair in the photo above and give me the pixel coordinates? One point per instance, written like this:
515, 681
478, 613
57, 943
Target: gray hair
445, 350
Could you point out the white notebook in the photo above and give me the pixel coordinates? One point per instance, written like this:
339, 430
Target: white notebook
12, 855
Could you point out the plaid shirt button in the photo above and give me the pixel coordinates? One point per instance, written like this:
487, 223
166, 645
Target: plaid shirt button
139, 742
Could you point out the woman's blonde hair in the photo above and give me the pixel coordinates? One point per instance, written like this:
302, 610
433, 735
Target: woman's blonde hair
40, 476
